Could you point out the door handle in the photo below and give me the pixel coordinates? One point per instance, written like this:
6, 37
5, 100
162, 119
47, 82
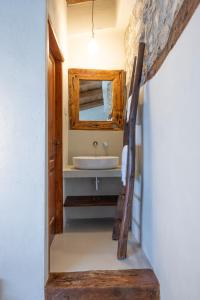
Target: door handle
57, 142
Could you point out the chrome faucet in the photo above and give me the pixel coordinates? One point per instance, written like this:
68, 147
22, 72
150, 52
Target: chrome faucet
95, 144
105, 146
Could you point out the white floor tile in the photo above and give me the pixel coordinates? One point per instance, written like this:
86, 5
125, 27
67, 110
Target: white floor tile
88, 245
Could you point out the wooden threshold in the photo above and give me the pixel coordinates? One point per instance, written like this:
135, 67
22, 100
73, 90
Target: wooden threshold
77, 201
140, 284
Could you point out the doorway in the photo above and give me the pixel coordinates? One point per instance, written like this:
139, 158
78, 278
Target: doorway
55, 187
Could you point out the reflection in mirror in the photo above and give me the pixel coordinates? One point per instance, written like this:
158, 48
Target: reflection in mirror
95, 101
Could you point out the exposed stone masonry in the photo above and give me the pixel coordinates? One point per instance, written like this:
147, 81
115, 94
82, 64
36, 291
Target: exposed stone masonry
155, 18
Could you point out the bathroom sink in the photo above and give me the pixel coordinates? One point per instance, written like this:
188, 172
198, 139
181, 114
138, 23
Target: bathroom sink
95, 162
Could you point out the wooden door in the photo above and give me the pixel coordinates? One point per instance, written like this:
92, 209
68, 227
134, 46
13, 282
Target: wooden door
51, 148
55, 188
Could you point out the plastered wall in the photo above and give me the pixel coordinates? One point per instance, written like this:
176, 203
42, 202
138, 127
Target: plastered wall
171, 194
106, 57
109, 55
22, 150
81, 143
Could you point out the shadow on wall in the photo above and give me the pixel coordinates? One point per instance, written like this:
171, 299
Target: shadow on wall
147, 169
1, 289
140, 187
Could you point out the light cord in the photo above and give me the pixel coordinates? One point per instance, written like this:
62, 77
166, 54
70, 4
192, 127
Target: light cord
92, 18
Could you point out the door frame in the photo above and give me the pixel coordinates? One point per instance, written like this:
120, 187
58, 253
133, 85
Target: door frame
55, 51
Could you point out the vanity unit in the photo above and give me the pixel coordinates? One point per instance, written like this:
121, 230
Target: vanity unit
91, 187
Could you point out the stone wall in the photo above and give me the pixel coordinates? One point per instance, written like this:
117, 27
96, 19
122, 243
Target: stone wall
132, 36
155, 18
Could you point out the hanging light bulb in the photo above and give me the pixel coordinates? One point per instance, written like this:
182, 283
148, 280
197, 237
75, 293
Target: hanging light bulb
92, 46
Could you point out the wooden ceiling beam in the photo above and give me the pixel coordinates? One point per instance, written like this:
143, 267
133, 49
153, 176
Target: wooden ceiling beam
89, 96
88, 85
89, 105
76, 1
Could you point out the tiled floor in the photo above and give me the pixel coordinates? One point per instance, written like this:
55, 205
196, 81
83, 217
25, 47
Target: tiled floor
87, 245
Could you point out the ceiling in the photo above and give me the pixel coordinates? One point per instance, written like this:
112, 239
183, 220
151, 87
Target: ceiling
79, 15
76, 1
113, 14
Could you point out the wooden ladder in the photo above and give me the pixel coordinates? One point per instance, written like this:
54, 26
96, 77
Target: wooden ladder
124, 205
120, 200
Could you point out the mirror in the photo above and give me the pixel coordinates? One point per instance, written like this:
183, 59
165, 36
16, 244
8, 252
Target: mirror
96, 99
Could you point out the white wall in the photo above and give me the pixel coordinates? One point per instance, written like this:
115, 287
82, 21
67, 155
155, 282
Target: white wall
81, 143
109, 55
171, 221
22, 149
123, 13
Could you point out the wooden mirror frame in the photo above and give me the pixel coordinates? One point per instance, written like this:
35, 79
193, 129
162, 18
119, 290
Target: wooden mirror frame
118, 79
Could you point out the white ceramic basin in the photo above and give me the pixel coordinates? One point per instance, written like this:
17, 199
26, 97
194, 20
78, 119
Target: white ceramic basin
95, 162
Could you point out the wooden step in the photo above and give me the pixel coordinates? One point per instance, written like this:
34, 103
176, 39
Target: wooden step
140, 284
77, 201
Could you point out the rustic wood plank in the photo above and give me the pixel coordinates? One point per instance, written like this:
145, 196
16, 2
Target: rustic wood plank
132, 76
126, 124
180, 22
121, 197
118, 215
91, 95
87, 85
130, 178
77, 201
139, 284
117, 77
91, 104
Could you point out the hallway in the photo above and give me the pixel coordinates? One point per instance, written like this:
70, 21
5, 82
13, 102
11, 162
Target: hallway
50, 52
87, 245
